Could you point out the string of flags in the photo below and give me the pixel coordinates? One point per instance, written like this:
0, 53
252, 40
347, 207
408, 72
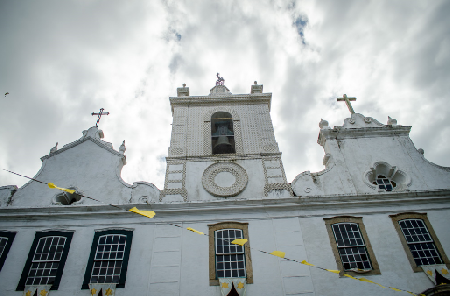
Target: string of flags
240, 242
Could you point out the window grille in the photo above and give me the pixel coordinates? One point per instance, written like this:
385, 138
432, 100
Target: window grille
6, 240
46, 260
420, 242
384, 183
108, 258
230, 258
351, 246
3, 242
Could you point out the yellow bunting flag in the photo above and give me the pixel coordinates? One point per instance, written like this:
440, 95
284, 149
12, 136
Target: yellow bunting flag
108, 292
28, 293
444, 271
148, 214
239, 241
225, 285
306, 263
429, 272
43, 292
53, 186
411, 293
369, 281
278, 254
395, 289
241, 285
333, 271
193, 230
93, 291
349, 276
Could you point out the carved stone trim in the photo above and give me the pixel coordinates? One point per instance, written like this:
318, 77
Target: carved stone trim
100, 143
209, 175
181, 191
238, 99
275, 186
339, 132
208, 113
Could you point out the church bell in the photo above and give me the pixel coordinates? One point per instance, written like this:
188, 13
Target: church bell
223, 134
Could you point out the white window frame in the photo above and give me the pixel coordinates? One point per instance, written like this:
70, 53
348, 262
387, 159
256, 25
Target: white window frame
45, 265
114, 248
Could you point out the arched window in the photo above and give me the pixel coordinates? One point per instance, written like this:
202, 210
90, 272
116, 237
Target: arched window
386, 178
66, 198
222, 133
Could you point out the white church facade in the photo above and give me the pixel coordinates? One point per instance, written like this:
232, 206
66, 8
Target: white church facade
373, 222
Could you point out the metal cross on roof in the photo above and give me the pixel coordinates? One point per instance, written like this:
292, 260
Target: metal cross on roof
220, 80
99, 115
347, 102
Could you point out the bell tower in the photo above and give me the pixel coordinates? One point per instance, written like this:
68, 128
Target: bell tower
223, 147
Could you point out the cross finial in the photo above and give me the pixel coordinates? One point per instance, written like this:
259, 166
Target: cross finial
99, 115
347, 102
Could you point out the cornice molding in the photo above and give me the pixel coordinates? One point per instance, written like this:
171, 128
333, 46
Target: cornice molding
256, 98
224, 157
362, 202
100, 143
339, 132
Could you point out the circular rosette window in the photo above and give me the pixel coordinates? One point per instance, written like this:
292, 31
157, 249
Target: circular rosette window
224, 179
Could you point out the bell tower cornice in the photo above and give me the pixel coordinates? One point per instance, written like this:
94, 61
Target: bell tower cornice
238, 99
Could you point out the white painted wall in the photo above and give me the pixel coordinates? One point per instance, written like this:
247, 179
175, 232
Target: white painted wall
168, 260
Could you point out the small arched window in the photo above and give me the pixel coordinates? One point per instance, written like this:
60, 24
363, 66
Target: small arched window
65, 198
384, 183
222, 133
386, 178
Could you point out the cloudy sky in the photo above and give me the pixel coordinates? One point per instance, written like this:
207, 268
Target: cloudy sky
62, 60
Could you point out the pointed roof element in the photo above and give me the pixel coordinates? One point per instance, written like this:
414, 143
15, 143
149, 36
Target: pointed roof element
92, 134
219, 91
183, 91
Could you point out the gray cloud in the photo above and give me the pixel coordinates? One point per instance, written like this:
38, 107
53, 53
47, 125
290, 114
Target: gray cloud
60, 61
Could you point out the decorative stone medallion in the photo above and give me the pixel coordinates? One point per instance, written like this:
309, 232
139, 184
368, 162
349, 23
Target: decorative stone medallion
213, 175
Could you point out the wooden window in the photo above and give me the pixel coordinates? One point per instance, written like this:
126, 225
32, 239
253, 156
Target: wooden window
46, 259
419, 240
6, 240
230, 258
351, 246
225, 259
109, 258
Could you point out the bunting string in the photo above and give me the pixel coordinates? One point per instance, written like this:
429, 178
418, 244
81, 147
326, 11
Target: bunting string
240, 242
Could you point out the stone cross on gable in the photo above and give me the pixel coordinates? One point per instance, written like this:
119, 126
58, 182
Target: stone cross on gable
99, 115
347, 102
